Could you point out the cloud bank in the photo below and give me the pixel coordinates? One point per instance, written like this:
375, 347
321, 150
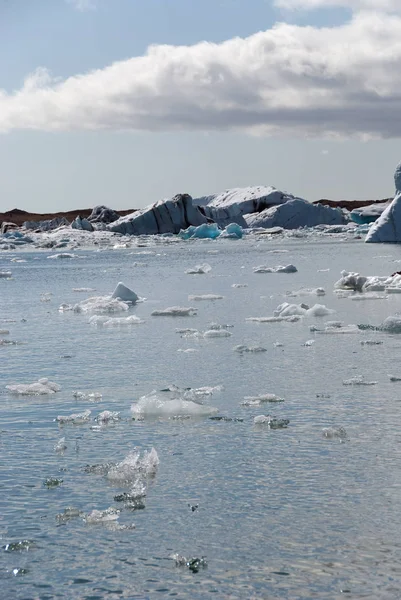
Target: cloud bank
341, 81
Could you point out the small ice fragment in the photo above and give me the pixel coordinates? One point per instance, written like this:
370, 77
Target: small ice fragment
205, 297
63, 255
331, 432
239, 285
394, 378
186, 330
4, 332
68, 514
261, 399
289, 319
217, 333
107, 417
52, 482
102, 516
115, 321
61, 446
278, 344
271, 422
87, 396
124, 293
371, 342
358, 380
175, 311
255, 349
83, 289
5, 274
75, 418
40, 388
309, 343
199, 269
278, 269
187, 350
391, 325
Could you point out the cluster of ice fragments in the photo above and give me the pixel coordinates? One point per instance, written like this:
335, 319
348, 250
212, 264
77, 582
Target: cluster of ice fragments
119, 301
41, 387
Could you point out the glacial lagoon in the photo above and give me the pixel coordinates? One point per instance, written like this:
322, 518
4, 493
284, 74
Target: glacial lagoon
231, 508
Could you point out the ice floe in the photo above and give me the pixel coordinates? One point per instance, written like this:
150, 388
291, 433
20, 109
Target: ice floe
239, 285
107, 416
307, 292
115, 321
92, 396
169, 404
358, 380
38, 388
175, 311
288, 310
260, 399
75, 418
199, 269
63, 255
278, 269
61, 446
217, 333
333, 432
102, 516
133, 465
253, 349
271, 422
197, 298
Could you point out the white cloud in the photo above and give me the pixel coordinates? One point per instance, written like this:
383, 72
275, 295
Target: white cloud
82, 5
354, 5
341, 81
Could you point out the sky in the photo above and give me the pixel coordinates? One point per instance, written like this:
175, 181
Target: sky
126, 102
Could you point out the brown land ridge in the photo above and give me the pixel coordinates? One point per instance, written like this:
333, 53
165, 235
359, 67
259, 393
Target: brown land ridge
18, 216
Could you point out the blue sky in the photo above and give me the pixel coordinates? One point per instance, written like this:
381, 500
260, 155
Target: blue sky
306, 106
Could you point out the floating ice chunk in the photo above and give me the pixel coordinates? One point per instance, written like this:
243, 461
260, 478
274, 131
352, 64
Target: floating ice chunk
68, 514
63, 255
369, 296
4, 332
271, 422
278, 319
107, 416
336, 327
220, 326
159, 404
278, 344
206, 231
278, 269
255, 349
61, 446
261, 399
39, 388
288, 310
199, 269
187, 350
102, 516
193, 564
217, 333
87, 395
83, 289
5, 274
206, 390
124, 293
358, 380
233, 231
391, 325
371, 342
100, 304
115, 321
307, 292
351, 281
331, 433
239, 285
132, 466
394, 378
309, 343
319, 310
75, 418
175, 311
205, 297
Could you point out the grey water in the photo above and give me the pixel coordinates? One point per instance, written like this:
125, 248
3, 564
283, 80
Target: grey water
283, 513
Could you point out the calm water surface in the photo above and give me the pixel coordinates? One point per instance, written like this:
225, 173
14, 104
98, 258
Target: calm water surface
282, 514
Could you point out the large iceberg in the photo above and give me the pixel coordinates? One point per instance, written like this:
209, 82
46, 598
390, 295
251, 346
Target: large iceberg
166, 216
296, 213
387, 228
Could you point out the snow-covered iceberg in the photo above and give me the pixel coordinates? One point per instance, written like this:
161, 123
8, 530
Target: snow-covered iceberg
165, 216
296, 213
368, 214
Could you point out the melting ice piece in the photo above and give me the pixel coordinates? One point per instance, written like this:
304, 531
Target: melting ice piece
75, 418
115, 321
99, 304
193, 564
61, 446
107, 416
271, 422
63, 255
5, 274
308, 343
160, 404
307, 292
205, 297
39, 388
124, 293
87, 395
332, 432
175, 311
199, 270
289, 319
261, 399
278, 269
371, 342
83, 289
239, 285
132, 466
391, 325
241, 349
4, 332
217, 333
394, 378
358, 380
102, 516
317, 310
